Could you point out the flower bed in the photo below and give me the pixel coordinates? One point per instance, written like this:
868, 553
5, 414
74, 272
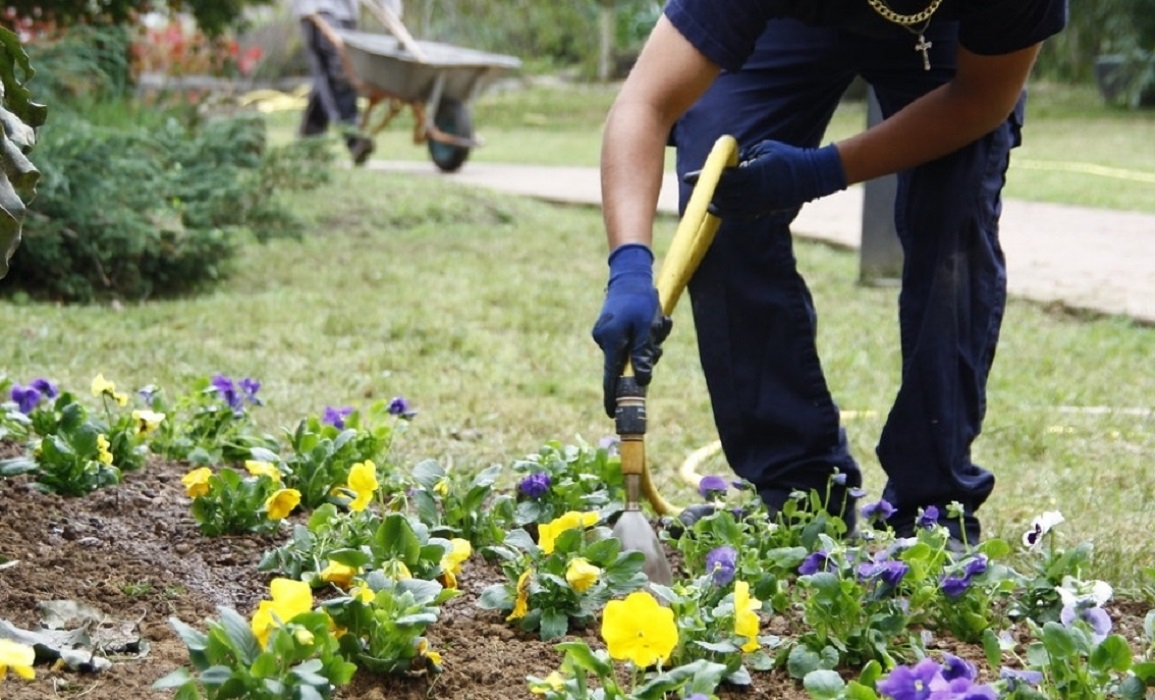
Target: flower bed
421, 582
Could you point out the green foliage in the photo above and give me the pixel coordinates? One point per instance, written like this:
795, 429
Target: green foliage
209, 423
582, 664
213, 16
385, 621
19, 117
138, 212
300, 660
574, 477
469, 510
71, 451
231, 503
550, 587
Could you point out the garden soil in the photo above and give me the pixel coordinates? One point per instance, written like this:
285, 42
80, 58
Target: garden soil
134, 553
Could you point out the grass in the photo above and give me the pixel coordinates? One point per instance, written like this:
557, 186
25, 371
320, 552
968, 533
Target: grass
1076, 149
477, 308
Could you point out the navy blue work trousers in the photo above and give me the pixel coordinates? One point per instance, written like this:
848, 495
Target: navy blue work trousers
755, 317
332, 98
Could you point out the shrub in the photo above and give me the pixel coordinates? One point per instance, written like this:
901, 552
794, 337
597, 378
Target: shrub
133, 213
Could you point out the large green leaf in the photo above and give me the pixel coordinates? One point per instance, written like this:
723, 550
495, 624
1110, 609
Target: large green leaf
19, 117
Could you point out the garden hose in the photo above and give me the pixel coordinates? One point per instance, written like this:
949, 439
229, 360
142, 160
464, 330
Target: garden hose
692, 239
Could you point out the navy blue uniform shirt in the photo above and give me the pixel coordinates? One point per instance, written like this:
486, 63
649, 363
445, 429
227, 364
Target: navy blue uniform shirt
725, 30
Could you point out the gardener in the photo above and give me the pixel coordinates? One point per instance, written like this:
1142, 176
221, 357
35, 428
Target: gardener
333, 96
950, 76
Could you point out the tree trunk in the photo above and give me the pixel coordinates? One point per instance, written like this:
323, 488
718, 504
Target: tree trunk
606, 40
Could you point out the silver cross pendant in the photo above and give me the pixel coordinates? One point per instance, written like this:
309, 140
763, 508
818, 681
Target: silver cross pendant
924, 46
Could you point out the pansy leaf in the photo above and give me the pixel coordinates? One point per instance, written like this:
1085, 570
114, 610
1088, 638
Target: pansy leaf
872, 672
242, 638
495, 597
427, 473
858, 691
703, 674
1111, 654
216, 675
174, 680
1132, 689
1145, 671
349, 557
579, 655
423, 591
396, 539
823, 684
723, 647
520, 539
307, 692
193, 638
995, 548
802, 661
554, 624
992, 648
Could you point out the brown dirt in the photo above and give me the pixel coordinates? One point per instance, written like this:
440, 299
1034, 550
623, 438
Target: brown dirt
135, 553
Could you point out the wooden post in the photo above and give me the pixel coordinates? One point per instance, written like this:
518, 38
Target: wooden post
880, 254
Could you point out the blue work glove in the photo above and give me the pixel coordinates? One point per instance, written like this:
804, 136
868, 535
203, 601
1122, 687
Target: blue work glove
773, 177
631, 325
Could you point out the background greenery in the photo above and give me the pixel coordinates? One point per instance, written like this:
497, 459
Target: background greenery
477, 307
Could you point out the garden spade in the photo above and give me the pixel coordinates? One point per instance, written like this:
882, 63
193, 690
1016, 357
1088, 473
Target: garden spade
694, 234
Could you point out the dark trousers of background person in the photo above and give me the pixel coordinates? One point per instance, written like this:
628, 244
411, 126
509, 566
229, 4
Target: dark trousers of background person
332, 99
756, 321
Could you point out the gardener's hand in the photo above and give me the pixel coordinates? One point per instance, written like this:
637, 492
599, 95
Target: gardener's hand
775, 177
631, 325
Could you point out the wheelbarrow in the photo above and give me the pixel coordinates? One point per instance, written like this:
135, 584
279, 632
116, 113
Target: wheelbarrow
437, 81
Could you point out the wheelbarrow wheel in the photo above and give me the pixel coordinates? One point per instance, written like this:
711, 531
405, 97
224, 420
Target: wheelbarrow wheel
452, 117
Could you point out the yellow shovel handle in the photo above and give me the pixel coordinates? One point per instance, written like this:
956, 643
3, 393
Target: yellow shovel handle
692, 239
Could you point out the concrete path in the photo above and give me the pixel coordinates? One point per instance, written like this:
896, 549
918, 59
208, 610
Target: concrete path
1082, 258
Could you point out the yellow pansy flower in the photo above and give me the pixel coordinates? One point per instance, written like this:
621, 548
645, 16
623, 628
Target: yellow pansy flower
18, 657
304, 637
103, 387
746, 622
639, 630
521, 604
196, 483
434, 656
363, 482
553, 682
547, 534
146, 421
338, 574
102, 451
289, 599
452, 560
364, 593
441, 488
258, 468
281, 503
581, 574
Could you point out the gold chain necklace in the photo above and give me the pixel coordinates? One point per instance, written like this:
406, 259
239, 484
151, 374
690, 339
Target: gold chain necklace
910, 23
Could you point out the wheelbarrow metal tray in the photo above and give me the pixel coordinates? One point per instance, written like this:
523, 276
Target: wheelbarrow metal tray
382, 62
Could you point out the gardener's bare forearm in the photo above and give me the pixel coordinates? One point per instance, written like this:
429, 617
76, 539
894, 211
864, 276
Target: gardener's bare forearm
979, 98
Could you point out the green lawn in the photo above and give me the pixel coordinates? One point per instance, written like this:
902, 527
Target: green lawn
477, 308
1076, 150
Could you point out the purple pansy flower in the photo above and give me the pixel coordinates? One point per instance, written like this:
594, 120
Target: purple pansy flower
910, 682
954, 667
26, 398
45, 387
817, 561
975, 566
882, 510
839, 478
399, 406
722, 564
535, 485
954, 585
1095, 617
250, 387
336, 416
711, 487
228, 391
890, 571
928, 517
